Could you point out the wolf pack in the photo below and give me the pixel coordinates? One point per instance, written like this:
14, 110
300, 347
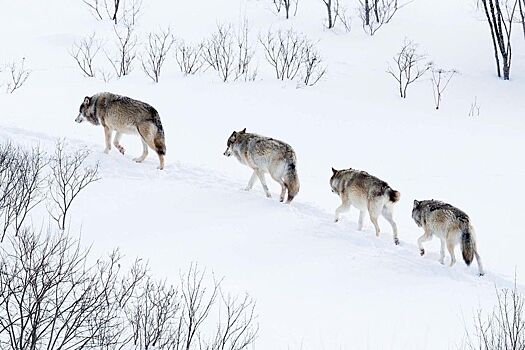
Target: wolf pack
265, 155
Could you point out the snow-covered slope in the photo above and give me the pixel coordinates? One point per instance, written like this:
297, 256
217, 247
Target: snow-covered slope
318, 285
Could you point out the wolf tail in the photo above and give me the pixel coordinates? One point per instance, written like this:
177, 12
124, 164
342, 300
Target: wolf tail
468, 244
159, 140
291, 180
393, 195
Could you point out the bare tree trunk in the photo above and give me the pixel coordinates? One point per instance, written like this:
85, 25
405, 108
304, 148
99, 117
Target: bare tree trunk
501, 30
367, 13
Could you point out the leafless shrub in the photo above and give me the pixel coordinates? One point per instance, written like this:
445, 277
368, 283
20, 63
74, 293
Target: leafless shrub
48, 292
230, 54
189, 57
126, 43
474, 108
156, 51
84, 53
500, 24
375, 13
409, 66
69, 176
21, 186
335, 11
440, 79
503, 328
292, 54
115, 10
17, 75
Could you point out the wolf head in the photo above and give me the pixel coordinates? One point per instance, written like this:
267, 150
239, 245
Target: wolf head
234, 137
87, 112
334, 180
416, 212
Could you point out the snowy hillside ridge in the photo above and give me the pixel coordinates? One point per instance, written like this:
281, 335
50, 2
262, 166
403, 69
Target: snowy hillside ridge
317, 284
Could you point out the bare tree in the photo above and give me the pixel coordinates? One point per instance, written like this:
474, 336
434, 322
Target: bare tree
440, 79
218, 51
69, 176
126, 46
291, 55
521, 5
48, 292
237, 329
111, 325
409, 66
153, 314
375, 13
335, 11
21, 187
17, 75
245, 53
287, 5
313, 67
284, 51
189, 57
230, 54
500, 23
114, 10
503, 328
197, 302
84, 53
156, 51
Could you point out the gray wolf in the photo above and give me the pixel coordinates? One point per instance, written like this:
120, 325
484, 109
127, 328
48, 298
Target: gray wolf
365, 192
450, 225
125, 115
266, 155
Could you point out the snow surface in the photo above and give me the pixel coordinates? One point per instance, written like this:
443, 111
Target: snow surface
318, 285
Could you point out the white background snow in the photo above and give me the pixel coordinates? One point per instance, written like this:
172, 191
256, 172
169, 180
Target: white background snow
318, 285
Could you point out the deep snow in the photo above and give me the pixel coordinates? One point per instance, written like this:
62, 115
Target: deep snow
318, 285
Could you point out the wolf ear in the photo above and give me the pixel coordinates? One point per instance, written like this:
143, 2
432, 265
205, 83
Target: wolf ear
242, 131
416, 203
87, 100
334, 171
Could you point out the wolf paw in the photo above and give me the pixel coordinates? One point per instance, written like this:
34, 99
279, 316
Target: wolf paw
422, 252
442, 262
138, 159
121, 149
281, 199
268, 195
106, 150
396, 241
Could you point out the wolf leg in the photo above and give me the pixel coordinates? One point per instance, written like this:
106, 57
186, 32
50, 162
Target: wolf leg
283, 187
251, 182
450, 247
144, 152
426, 237
260, 174
480, 265
442, 252
345, 206
361, 218
373, 211
387, 214
107, 134
116, 142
